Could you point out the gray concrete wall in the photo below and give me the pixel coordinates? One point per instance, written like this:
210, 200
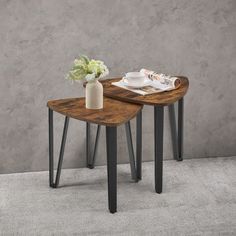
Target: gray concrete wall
40, 39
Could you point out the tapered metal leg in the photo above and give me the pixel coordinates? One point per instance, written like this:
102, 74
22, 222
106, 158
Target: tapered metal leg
158, 138
139, 145
111, 143
51, 161
95, 146
63, 142
91, 157
173, 128
50, 125
88, 144
180, 128
131, 150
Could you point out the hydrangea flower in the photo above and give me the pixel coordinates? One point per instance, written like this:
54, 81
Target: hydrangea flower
86, 69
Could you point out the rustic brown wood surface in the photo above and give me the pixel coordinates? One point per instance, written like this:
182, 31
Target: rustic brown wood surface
162, 99
114, 113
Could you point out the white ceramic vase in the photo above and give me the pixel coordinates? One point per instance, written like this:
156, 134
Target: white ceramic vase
94, 95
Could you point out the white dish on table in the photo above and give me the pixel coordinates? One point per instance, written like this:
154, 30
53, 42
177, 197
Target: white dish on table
136, 84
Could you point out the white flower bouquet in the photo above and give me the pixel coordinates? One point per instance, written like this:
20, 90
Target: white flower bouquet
86, 69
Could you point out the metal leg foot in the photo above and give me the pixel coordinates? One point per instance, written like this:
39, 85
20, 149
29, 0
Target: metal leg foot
63, 142
131, 150
158, 138
111, 143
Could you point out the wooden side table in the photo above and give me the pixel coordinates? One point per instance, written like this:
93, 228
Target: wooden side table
159, 101
112, 115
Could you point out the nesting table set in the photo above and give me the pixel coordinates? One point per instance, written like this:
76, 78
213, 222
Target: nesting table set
120, 106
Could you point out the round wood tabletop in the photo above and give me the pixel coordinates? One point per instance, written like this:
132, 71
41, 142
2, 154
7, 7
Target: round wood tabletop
161, 99
114, 112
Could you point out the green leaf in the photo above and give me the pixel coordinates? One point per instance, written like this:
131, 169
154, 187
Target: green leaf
85, 59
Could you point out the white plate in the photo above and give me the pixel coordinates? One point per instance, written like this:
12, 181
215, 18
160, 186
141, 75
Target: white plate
145, 83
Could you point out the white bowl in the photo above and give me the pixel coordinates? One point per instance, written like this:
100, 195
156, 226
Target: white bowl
134, 74
135, 77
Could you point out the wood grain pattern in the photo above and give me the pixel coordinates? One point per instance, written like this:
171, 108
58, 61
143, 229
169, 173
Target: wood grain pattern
161, 99
114, 112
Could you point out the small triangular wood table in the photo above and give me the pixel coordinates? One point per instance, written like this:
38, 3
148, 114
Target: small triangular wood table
159, 101
113, 114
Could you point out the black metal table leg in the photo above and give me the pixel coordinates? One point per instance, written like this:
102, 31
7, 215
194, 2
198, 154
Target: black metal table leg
63, 142
173, 128
60, 160
95, 147
180, 128
50, 126
131, 150
111, 143
88, 144
139, 145
91, 157
158, 139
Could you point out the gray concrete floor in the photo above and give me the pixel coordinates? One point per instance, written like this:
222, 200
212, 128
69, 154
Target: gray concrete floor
199, 198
